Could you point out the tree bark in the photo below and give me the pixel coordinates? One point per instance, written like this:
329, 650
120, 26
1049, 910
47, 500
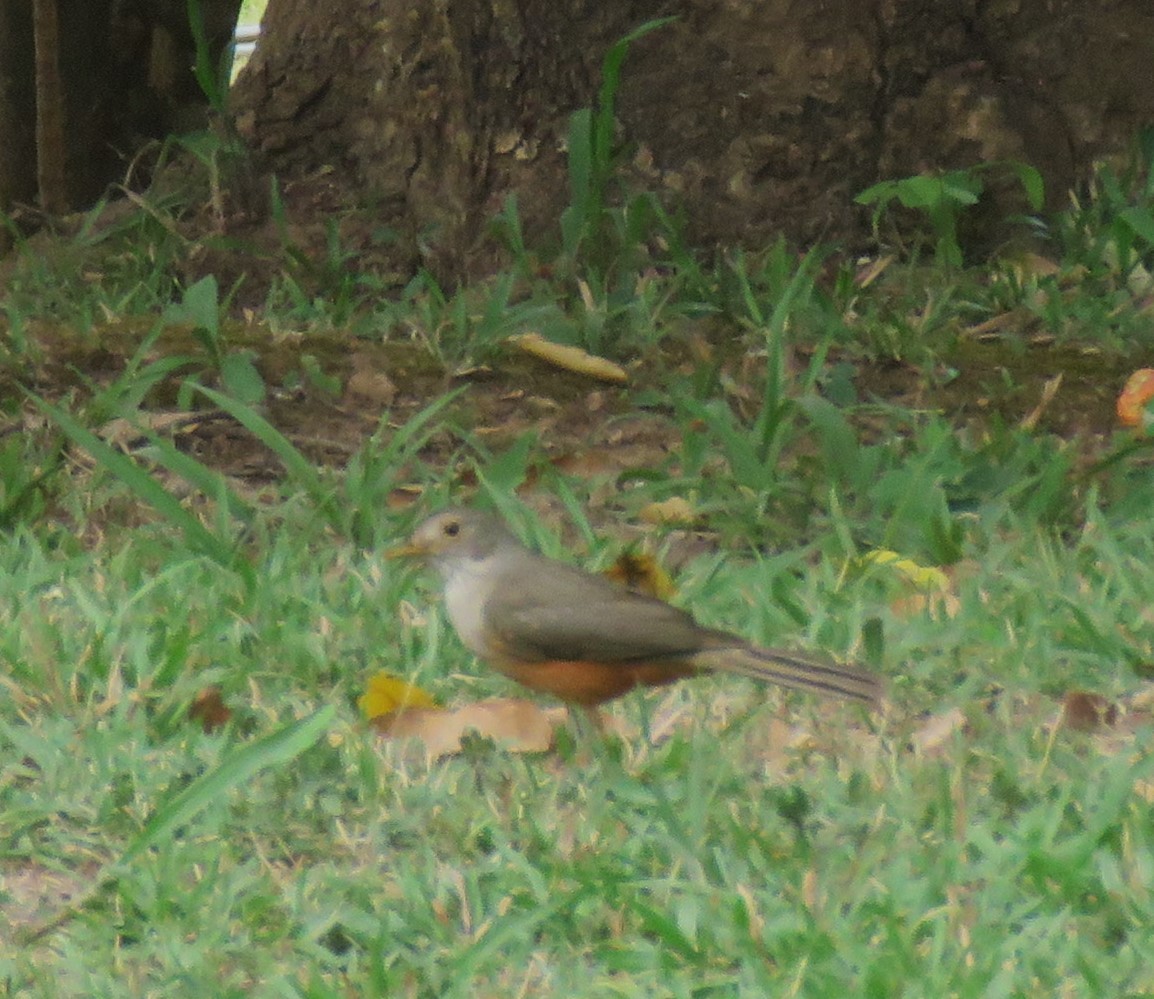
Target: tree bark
126, 77
17, 104
50, 132
760, 117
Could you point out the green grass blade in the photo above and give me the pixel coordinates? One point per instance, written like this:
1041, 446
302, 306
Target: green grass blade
1032, 184
375, 470
578, 216
277, 748
610, 80
209, 482
146, 488
1141, 222
299, 468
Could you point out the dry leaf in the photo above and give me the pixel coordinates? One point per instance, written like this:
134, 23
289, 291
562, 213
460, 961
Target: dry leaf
811, 891
1032, 265
127, 434
1049, 390
937, 730
374, 387
993, 328
934, 604
516, 725
570, 358
588, 463
872, 270
1087, 712
675, 510
1138, 391
403, 497
586, 293
209, 709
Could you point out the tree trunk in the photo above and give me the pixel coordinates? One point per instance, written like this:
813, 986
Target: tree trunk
411, 104
126, 78
760, 117
17, 107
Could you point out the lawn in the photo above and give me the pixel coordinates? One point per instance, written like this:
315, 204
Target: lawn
825, 453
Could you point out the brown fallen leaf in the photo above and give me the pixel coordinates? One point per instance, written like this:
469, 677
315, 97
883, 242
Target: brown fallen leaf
1034, 265
128, 434
374, 387
516, 725
1049, 390
209, 709
675, 510
588, 463
937, 730
933, 604
1087, 712
1137, 392
871, 271
403, 497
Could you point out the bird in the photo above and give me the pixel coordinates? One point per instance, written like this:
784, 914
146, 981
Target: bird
584, 639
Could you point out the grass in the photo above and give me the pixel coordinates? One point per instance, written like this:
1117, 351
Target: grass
1011, 859
741, 841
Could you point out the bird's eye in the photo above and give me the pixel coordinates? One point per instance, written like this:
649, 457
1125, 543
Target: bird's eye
452, 529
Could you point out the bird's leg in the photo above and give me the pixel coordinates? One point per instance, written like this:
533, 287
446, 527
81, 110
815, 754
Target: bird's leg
587, 717
588, 730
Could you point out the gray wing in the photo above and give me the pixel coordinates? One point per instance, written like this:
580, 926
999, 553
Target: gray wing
569, 614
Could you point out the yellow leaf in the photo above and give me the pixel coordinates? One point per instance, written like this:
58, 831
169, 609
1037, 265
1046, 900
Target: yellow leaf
923, 577
385, 694
641, 573
570, 358
675, 510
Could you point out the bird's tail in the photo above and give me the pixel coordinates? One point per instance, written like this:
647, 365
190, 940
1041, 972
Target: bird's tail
798, 672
